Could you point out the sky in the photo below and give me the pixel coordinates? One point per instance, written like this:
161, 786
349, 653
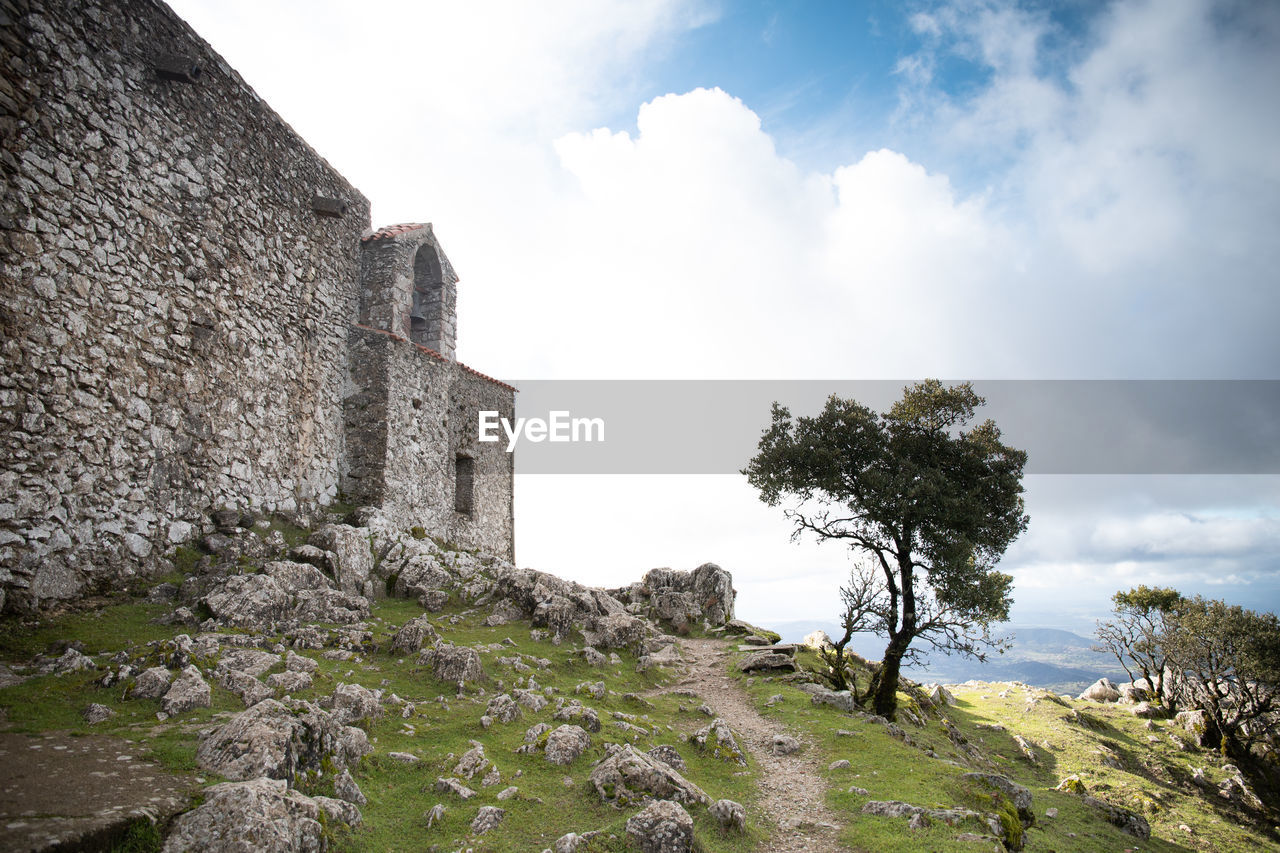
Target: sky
689, 189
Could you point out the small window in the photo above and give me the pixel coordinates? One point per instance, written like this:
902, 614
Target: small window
464, 484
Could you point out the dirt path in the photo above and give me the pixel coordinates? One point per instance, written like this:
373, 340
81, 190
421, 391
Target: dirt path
791, 786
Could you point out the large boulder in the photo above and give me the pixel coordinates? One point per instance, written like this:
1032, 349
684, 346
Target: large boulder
817, 640
1102, 690
452, 663
731, 816
661, 827
617, 631
566, 743
352, 559
765, 661
1196, 724
254, 816
351, 703
151, 683
413, 635
284, 593
188, 691
255, 602
1137, 691
627, 776
279, 741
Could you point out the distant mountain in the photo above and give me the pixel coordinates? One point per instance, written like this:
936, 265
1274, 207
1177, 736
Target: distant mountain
1044, 657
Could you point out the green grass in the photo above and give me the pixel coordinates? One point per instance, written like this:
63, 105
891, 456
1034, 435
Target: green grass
1154, 779
110, 628
1154, 782
400, 795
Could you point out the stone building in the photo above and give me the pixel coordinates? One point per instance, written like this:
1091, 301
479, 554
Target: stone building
196, 315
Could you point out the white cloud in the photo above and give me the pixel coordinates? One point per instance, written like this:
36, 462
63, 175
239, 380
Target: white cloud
1180, 534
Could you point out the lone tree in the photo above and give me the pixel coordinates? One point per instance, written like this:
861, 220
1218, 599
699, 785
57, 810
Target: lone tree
931, 505
1137, 635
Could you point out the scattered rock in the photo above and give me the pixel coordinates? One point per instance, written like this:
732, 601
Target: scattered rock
503, 708
1019, 794
730, 815
455, 787
453, 663
662, 827
841, 764
626, 776
668, 756
1101, 690
566, 743
785, 745
1072, 784
717, 737
473, 761
576, 712
1127, 821
188, 691
487, 818
96, 713
151, 683
413, 635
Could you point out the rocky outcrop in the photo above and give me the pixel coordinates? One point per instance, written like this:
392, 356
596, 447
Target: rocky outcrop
627, 776
347, 557
682, 598
255, 816
661, 827
284, 594
279, 741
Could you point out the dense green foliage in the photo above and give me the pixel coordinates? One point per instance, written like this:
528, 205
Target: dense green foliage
929, 504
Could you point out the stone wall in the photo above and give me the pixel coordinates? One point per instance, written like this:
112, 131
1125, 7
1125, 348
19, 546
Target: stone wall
179, 279
410, 415
180, 276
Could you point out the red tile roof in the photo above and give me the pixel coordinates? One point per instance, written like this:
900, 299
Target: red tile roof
393, 230
437, 355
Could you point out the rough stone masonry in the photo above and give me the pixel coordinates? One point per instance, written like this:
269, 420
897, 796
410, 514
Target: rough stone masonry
195, 315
